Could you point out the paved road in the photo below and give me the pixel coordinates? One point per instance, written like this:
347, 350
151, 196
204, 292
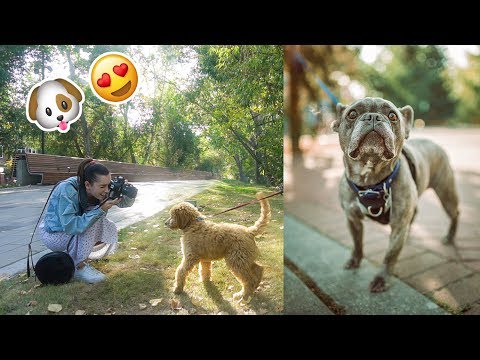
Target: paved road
20, 209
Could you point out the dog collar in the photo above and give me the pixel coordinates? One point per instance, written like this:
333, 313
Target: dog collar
376, 200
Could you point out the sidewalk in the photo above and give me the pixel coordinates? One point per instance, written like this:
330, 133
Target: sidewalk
21, 207
425, 264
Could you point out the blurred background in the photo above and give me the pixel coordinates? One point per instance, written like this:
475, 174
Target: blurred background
440, 82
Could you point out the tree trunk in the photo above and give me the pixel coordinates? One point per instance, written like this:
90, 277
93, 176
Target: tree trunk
83, 121
257, 118
241, 174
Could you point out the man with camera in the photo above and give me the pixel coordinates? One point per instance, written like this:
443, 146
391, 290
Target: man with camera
76, 221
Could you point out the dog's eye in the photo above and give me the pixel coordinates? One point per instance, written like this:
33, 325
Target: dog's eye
392, 116
64, 105
352, 114
48, 111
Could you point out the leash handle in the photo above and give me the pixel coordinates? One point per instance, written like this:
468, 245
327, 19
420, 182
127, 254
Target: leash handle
248, 203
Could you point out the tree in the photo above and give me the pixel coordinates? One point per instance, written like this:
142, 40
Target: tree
416, 76
240, 95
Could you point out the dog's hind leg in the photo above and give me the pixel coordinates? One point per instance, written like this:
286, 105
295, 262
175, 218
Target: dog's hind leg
248, 276
205, 270
182, 272
447, 194
257, 271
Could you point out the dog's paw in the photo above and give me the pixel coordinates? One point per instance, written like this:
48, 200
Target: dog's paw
353, 263
238, 296
378, 284
447, 240
178, 290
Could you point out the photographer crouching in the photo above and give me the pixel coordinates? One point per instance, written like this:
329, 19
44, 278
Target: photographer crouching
76, 220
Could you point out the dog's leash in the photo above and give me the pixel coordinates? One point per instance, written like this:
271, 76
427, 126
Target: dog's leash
248, 203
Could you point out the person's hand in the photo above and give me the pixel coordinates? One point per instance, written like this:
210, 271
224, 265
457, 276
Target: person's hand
109, 203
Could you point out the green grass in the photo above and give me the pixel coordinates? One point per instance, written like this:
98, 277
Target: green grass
144, 269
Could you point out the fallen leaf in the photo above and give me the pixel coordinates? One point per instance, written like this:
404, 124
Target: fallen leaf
133, 248
156, 225
54, 308
133, 227
262, 311
80, 312
37, 286
28, 313
155, 302
182, 312
32, 303
136, 256
146, 230
142, 306
281, 227
142, 268
175, 304
196, 302
23, 292
25, 280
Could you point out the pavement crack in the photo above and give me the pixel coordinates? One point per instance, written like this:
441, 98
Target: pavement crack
313, 287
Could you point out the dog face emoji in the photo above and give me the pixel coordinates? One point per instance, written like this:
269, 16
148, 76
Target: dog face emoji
54, 104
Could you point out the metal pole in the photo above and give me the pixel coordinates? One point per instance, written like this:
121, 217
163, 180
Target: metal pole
43, 77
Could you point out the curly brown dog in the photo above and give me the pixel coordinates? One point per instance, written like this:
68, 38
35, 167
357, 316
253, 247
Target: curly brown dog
204, 241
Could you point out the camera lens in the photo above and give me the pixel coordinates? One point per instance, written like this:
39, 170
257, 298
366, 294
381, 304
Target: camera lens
130, 191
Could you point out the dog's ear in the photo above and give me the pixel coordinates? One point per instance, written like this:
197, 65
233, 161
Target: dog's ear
340, 109
32, 104
183, 216
72, 89
407, 114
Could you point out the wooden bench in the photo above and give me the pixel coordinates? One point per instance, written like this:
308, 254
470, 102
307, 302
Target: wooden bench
54, 168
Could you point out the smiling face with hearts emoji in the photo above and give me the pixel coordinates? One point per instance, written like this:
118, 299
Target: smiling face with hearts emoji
113, 78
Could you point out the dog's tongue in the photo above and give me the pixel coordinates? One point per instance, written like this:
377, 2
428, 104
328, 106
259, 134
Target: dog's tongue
63, 125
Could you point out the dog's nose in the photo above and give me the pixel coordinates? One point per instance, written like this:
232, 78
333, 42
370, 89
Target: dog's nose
60, 117
371, 117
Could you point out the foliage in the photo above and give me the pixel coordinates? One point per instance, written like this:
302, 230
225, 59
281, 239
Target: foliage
163, 127
416, 76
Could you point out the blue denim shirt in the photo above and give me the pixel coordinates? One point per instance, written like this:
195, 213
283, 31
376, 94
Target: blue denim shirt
64, 208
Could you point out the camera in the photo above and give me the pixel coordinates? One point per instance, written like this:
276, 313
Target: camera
118, 188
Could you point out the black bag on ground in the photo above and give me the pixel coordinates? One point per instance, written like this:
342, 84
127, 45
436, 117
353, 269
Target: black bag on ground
56, 267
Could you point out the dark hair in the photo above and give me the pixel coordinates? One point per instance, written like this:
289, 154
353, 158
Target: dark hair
88, 170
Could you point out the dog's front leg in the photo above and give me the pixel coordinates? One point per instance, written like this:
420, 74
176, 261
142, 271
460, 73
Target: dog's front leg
183, 269
397, 239
205, 270
355, 225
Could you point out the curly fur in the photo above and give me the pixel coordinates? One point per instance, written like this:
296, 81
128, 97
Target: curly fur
204, 241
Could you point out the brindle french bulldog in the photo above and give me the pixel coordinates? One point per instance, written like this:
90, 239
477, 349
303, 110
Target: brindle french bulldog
385, 175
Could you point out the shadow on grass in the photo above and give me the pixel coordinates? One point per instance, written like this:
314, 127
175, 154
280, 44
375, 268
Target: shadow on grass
217, 298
